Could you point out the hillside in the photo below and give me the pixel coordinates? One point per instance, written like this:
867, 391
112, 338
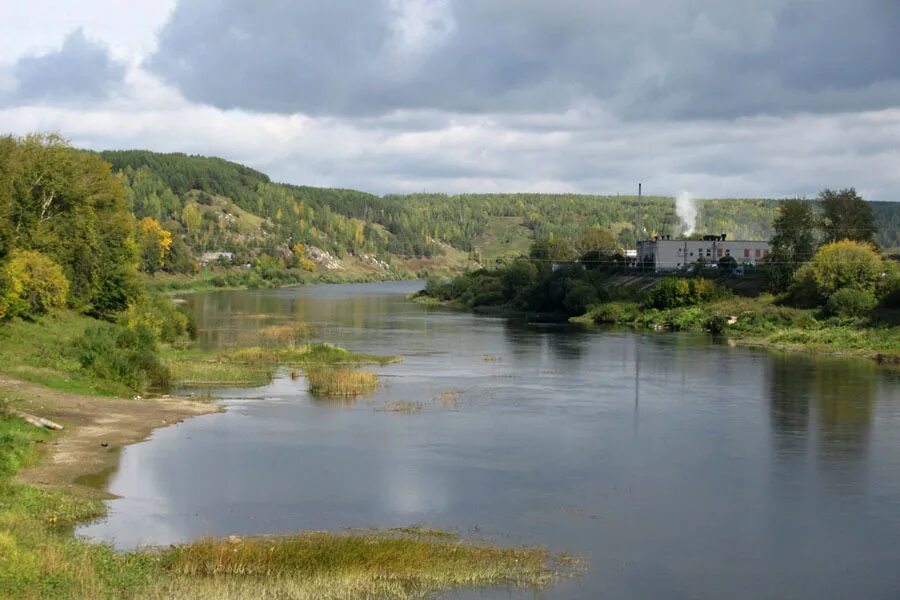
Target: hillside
211, 205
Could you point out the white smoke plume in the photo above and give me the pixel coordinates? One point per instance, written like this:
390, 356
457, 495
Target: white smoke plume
687, 211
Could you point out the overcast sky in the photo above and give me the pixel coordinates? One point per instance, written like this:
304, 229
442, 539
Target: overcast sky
748, 98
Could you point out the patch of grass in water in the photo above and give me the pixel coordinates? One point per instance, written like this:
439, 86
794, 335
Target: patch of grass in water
449, 397
403, 406
327, 382
290, 334
256, 365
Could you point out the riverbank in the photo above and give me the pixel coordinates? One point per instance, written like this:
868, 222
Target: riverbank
94, 431
241, 279
45, 489
762, 323
750, 322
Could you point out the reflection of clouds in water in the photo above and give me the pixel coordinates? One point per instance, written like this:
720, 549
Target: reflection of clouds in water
409, 484
411, 490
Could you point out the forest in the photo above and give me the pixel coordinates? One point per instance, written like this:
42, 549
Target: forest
210, 204
167, 210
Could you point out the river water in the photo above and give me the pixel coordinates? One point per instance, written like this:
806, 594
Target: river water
678, 467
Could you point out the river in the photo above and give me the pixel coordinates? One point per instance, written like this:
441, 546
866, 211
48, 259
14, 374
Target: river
677, 466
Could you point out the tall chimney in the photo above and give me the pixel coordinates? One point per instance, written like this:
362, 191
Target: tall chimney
640, 215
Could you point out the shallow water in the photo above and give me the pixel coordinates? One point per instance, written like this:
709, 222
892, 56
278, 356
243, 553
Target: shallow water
678, 467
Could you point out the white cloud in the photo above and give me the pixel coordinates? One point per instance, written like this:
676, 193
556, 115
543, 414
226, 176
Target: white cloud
453, 140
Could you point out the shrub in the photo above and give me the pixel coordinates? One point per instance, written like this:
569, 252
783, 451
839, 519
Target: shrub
673, 292
614, 312
34, 285
157, 312
844, 264
126, 355
850, 303
889, 286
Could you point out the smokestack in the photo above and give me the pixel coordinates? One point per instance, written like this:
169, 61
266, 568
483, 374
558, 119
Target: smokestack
639, 232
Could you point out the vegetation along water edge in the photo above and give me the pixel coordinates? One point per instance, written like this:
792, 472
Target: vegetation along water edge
825, 287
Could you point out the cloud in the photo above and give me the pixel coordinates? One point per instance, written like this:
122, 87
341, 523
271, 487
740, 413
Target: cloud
657, 59
80, 71
579, 151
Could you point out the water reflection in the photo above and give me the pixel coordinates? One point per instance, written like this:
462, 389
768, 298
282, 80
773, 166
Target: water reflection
676, 466
835, 398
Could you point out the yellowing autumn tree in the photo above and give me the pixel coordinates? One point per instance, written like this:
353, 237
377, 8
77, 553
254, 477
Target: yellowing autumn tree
300, 254
33, 285
154, 243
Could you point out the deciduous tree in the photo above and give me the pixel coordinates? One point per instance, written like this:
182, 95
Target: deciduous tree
846, 216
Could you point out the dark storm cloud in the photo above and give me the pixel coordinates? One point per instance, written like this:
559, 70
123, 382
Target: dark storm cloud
699, 59
81, 69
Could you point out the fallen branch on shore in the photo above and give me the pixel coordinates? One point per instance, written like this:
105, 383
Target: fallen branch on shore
36, 421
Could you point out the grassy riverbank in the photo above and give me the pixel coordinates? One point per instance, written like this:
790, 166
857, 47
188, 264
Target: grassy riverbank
43, 352
762, 322
39, 557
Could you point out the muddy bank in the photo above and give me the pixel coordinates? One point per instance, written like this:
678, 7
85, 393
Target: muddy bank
95, 429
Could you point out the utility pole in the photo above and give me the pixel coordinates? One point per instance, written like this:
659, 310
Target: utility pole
640, 215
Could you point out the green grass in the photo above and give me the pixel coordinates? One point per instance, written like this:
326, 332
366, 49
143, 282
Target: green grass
39, 557
40, 352
503, 237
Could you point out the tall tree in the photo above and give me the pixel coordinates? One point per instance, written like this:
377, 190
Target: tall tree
67, 204
153, 242
846, 216
793, 242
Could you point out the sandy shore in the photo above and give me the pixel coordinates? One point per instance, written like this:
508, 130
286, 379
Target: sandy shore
95, 429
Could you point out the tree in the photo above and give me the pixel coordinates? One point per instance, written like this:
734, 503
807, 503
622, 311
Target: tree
727, 264
600, 240
191, 218
34, 285
551, 248
154, 243
67, 205
793, 242
846, 216
840, 265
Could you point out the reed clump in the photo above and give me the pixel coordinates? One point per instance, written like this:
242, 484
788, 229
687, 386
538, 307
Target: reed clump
338, 382
289, 334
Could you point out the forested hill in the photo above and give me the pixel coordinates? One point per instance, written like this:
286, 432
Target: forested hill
213, 205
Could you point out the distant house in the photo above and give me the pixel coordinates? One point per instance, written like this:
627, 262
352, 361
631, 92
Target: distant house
666, 254
211, 257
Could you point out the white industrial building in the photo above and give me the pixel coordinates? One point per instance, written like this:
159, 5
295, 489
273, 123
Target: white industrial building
666, 254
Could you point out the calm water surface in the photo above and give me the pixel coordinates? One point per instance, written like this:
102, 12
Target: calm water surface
677, 467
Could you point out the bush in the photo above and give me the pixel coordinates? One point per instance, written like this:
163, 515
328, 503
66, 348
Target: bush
850, 303
126, 355
889, 286
614, 312
159, 313
34, 285
674, 292
844, 264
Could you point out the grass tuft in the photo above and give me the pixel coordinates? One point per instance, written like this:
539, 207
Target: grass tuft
330, 382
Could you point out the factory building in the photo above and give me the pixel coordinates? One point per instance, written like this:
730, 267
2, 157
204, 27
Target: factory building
666, 254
